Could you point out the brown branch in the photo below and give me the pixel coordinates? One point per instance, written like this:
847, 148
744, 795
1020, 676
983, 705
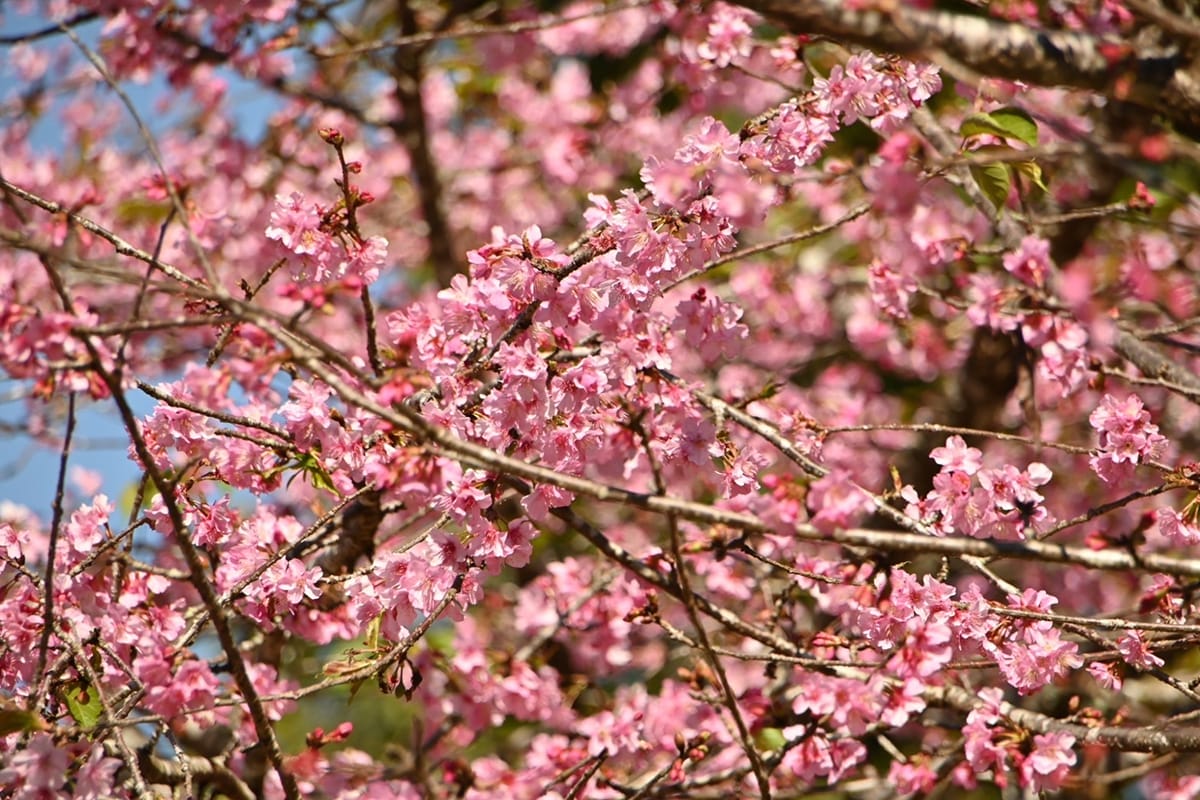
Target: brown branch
1169, 21
478, 31
585, 777
1148, 739
52, 549
688, 598
377, 666
413, 131
150, 325
1153, 740
204, 587
1154, 365
155, 154
196, 567
792, 238
122, 247
1138, 740
50, 30
82, 663
210, 413
1161, 81
618, 555
355, 540
935, 427
411, 421
372, 335
346, 507
203, 771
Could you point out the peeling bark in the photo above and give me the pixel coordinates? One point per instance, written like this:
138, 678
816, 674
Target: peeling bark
1162, 78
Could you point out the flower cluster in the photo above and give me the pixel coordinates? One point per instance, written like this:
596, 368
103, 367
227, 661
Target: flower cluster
327, 253
1000, 503
989, 749
49, 350
1127, 438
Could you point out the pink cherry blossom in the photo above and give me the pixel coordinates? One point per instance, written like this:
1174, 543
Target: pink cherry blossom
1135, 652
1031, 263
1127, 437
37, 771
1046, 767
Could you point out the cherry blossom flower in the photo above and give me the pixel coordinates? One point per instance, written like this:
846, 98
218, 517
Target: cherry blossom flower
1127, 437
728, 36
1133, 649
431, 544
1030, 263
294, 224
891, 290
1177, 528
36, 771
956, 456
1106, 675
1047, 765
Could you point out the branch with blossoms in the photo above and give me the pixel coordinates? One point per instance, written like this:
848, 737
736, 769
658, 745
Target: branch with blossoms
1161, 77
812, 430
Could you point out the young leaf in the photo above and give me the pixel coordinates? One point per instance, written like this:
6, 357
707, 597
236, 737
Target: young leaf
1016, 124
310, 465
1007, 123
1033, 172
995, 180
83, 701
14, 719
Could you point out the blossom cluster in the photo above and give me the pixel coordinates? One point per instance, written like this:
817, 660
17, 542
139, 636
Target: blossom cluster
303, 228
994, 503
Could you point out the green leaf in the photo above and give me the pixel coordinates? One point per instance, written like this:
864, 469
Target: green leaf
14, 719
306, 464
1017, 125
771, 739
1007, 123
995, 180
1033, 172
83, 701
371, 639
317, 476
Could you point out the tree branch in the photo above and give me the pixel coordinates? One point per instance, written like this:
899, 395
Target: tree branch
1153, 364
1137, 740
1162, 81
413, 131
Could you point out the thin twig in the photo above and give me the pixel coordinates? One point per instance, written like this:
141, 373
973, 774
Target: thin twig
688, 598
585, 777
478, 32
774, 244
151, 145
372, 338
52, 551
482, 457
122, 247
199, 579
50, 30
